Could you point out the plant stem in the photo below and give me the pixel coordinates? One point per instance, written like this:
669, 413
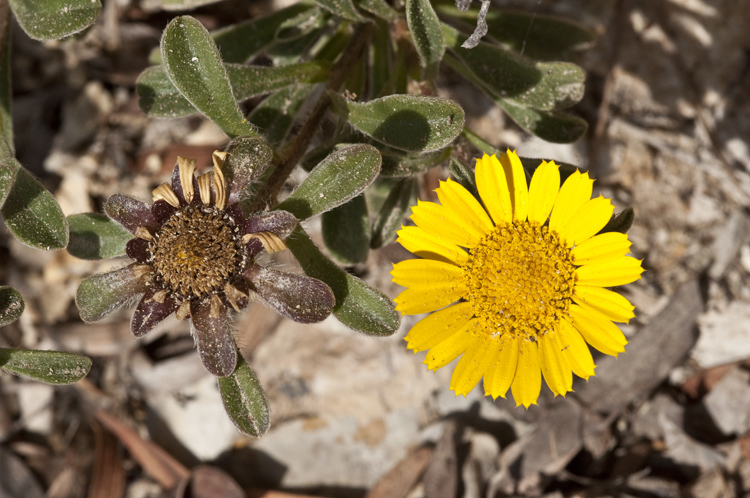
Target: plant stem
291, 155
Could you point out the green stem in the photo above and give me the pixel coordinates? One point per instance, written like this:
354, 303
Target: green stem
291, 154
479, 142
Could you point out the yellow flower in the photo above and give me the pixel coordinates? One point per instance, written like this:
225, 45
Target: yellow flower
527, 292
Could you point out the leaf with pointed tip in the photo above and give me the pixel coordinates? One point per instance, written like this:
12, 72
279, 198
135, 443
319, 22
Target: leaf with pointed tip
380, 8
338, 178
104, 293
427, 35
194, 66
11, 305
342, 8
244, 400
95, 236
358, 305
158, 97
553, 126
620, 222
463, 175
346, 231
50, 367
407, 122
274, 116
55, 19
544, 86
393, 212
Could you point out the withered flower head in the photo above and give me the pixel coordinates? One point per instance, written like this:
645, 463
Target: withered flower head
195, 255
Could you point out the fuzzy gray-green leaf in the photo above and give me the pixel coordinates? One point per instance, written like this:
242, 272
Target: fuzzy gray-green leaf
33, 216
6, 119
184, 4
95, 236
101, 294
544, 86
427, 35
275, 115
407, 122
11, 305
346, 231
244, 400
380, 8
552, 126
54, 19
342, 8
397, 163
50, 367
393, 212
194, 65
358, 305
338, 178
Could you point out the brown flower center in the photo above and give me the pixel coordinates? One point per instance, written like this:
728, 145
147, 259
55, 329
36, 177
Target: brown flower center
197, 252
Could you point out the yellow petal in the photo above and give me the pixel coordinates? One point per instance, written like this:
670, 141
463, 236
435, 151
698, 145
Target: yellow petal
601, 248
425, 299
519, 189
500, 376
587, 221
609, 303
598, 330
426, 273
438, 326
442, 222
453, 346
619, 271
545, 184
427, 245
455, 197
472, 365
574, 192
554, 363
578, 353
493, 189
528, 380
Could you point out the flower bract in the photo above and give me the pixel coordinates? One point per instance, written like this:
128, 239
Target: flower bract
516, 280
195, 255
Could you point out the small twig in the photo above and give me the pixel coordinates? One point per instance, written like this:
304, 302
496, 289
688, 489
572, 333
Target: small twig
296, 149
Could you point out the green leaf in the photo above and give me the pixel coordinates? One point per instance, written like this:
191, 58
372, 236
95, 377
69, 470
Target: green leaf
6, 118
50, 367
55, 19
244, 400
247, 168
342, 8
380, 8
407, 122
102, 294
338, 178
95, 236
380, 63
544, 86
7, 176
358, 305
464, 175
427, 35
31, 213
290, 52
275, 115
301, 25
346, 231
620, 222
194, 65
399, 164
11, 305
159, 97
395, 208
552, 126
184, 4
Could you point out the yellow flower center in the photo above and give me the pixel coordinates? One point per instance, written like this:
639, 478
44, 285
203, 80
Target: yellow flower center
520, 279
197, 252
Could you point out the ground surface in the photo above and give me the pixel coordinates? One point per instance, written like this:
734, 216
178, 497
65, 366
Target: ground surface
668, 101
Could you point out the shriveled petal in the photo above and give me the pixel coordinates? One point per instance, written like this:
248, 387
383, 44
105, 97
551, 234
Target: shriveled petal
601, 248
426, 245
610, 303
210, 328
150, 312
442, 222
282, 223
578, 353
545, 184
493, 189
453, 346
528, 380
298, 297
502, 372
574, 192
454, 196
517, 186
619, 271
130, 212
598, 330
137, 249
587, 221
555, 368
420, 273
104, 293
436, 327
178, 189
475, 363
